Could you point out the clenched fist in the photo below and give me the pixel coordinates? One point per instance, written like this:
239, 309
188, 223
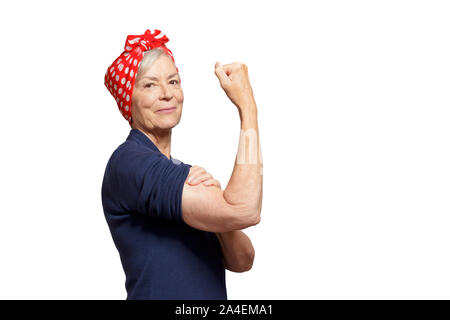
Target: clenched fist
235, 82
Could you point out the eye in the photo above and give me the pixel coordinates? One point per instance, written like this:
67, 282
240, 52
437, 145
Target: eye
148, 85
176, 81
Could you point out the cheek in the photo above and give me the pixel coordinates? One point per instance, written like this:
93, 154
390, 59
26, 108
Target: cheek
147, 102
179, 95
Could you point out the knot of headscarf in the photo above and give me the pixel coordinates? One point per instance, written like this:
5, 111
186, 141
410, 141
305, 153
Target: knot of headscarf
148, 40
121, 74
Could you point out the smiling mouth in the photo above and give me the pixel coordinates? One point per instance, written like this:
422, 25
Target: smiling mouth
170, 109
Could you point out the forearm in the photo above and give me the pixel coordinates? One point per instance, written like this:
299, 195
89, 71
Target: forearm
244, 188
237, 249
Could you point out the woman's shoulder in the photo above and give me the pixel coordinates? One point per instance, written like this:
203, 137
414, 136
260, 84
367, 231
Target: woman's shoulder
128, 150
133, 153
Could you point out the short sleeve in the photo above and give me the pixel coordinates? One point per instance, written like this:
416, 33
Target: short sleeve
148, 183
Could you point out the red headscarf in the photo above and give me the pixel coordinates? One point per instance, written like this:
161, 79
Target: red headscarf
121, 74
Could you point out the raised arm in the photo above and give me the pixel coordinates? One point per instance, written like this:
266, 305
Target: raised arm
239, 205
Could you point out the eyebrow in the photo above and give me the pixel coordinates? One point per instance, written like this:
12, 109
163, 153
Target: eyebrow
154, 78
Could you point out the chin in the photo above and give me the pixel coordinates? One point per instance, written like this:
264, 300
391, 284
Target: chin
170, 122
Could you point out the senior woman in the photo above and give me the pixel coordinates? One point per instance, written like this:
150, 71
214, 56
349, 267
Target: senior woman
176, 230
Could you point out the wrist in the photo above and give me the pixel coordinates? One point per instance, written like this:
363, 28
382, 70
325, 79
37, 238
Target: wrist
247, 108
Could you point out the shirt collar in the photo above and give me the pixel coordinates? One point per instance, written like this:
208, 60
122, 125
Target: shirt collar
140, 137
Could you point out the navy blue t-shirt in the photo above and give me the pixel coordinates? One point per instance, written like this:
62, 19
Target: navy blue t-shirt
162, 256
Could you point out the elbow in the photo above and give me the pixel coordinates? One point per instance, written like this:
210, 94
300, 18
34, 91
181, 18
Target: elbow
240, 269
243, 269
242, 217
257, 213
255, 217
246, 212
246, 265
252, 218
247, 268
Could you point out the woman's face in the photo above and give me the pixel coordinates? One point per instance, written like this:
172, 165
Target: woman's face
158, 88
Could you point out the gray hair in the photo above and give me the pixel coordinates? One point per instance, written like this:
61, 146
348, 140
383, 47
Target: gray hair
148, 58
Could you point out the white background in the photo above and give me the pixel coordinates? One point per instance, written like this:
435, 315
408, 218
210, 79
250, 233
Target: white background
354, 111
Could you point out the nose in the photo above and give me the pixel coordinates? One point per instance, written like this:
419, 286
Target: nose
166, 92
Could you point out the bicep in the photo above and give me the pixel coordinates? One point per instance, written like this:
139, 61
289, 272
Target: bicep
205, 208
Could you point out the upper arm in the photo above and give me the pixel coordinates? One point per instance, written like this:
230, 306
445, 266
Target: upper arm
152, 185
205, 208
147, 183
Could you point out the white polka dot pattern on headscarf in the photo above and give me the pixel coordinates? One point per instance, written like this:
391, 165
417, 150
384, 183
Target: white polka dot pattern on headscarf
120, 75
